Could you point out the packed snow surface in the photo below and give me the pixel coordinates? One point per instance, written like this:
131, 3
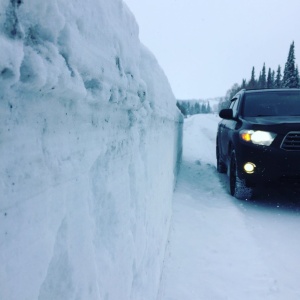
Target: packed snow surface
89, 136
223, 248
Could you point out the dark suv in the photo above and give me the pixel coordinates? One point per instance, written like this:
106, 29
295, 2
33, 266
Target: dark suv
258, 140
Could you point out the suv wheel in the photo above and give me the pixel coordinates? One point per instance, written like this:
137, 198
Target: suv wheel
221, 167
238, 187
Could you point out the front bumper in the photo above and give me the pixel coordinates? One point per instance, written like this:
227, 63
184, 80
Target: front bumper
273, 164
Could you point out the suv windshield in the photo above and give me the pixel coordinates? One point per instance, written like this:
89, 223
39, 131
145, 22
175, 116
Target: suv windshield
277, 103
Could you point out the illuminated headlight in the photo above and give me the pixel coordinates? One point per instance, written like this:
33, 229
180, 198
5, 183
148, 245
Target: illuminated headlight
258, 137
249, 167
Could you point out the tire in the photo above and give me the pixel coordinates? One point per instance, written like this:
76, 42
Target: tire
221, 167
238, 187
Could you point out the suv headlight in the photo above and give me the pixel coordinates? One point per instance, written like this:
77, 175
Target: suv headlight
257, 137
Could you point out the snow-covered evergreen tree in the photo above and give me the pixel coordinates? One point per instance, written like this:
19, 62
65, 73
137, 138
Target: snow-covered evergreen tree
273, 78
290, 74
269, 83
197, 108
182, 108
270, 79
263, 80
297, 78
231, 92
208, 108
259, 81
278, 83
252, 82
244, 84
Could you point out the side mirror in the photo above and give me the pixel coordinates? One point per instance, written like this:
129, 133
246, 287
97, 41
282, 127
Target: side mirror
226, 114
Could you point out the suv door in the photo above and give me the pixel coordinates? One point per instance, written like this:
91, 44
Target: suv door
227, 127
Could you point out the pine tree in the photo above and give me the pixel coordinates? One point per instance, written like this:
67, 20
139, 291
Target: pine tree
263, 80
188, 108
192, 109
231, 92
182, 108
297, 78
259, 84
208, 108
252, 83
197, 108
273, 79
244, 85
278, 83
269, 79
289, 75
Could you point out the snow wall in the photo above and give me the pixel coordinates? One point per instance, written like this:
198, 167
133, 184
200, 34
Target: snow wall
90, 138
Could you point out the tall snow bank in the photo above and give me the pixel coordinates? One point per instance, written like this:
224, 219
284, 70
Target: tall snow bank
88, 150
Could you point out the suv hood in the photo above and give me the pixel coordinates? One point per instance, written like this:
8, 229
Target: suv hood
273, 120
280, 125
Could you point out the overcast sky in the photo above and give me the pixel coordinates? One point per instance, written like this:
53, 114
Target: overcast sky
204, 47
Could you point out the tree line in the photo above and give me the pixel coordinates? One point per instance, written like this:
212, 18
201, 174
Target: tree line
192, 107
271, 79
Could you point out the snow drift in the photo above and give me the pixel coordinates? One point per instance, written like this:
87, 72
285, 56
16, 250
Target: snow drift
89, 141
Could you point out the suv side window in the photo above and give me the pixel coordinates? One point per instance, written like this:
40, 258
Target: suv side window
234, 106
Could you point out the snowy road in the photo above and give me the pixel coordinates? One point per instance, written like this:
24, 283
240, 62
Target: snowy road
222, 248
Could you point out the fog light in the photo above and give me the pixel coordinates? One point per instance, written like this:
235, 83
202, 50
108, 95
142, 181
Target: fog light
249, 167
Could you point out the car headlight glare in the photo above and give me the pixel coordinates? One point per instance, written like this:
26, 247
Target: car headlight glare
258, 137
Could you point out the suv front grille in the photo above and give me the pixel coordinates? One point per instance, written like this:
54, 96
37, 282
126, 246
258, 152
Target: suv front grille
291, 141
